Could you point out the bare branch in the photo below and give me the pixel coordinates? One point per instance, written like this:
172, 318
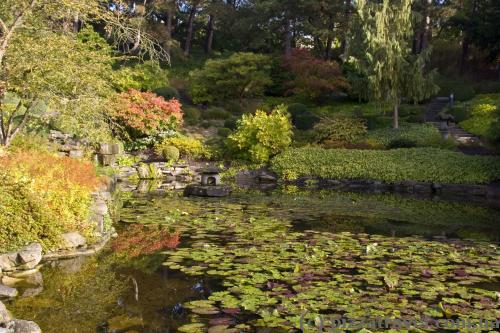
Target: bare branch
3, 27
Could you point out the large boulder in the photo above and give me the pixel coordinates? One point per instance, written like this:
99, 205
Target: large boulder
23, 326
73, 240
4, 314
30, 256
7, 291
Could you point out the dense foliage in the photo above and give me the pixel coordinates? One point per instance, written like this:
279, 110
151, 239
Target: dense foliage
42, 197
261, 136
188, 147
418, 164
147, 76
482, 116
339, 130
416, 135
314, 77
242, 75
143, 113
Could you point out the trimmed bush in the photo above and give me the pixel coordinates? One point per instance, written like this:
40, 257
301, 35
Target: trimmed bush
302, 118
401, 143
168, 93
42, 197
170, 153
420, 135
188, 147
224, 132
231, 123
484, 120
216, 113
418, 164
340, 129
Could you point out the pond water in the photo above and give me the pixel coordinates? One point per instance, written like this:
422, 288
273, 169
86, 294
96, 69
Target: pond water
265, 262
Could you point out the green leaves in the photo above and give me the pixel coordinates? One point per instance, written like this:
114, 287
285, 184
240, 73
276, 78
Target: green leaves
417, 164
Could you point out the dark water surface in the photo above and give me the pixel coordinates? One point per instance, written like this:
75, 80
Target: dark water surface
127, 288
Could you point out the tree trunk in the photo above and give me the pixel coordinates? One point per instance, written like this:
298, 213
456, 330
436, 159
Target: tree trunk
395, 116
347, 22
329, 41
210, 34
168, 44
189, 37
288, 38
465, 53
427, 29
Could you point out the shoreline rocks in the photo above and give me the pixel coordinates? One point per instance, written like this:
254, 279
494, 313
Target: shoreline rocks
10, 325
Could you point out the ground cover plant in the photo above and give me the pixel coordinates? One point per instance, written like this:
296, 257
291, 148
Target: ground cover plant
418, 164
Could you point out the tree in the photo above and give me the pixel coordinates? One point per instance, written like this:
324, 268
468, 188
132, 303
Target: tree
240, 76
313, 77
379, 49
67, 72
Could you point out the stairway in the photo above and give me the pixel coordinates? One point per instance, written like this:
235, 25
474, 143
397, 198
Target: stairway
468, 143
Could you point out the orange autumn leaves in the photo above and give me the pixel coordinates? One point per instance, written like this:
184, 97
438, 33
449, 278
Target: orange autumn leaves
145, 113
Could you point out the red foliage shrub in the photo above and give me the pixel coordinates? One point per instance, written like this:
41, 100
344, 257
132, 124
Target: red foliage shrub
314, 77
146, 113
140, 240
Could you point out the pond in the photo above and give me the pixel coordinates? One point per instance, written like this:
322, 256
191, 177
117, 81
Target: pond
275, 262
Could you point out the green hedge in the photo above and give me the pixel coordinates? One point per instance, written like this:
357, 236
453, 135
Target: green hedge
419, 164
421, 135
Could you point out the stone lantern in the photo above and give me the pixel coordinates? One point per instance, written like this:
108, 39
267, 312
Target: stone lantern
210, 185
210, 177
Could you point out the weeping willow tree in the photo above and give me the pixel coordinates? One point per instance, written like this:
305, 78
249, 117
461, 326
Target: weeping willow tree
380, 51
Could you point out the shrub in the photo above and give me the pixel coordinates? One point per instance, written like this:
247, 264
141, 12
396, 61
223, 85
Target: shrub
487, 87
418, 164
480, 116
42, 197
461, 90
224, 132
231, 123
168, 93
416, 118
420, 135
216, 113
144, 114
401, 143
314, 77
409, 110
191, 115
170, 153
188, 147
240, 76
302, 118
340, 129
260, 136
146, 76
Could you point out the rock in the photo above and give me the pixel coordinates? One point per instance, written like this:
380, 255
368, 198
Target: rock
267, 176
76, 153
73, 240
30, 256
100, 207
8, 261
207, 191
5, 330
7, 291
23, 326
4, 314
32, 292
10, 281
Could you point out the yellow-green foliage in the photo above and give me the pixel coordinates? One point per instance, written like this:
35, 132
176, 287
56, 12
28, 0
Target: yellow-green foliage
188, 147
484, 118
419, 164
42, 197
340, 129
261, 136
